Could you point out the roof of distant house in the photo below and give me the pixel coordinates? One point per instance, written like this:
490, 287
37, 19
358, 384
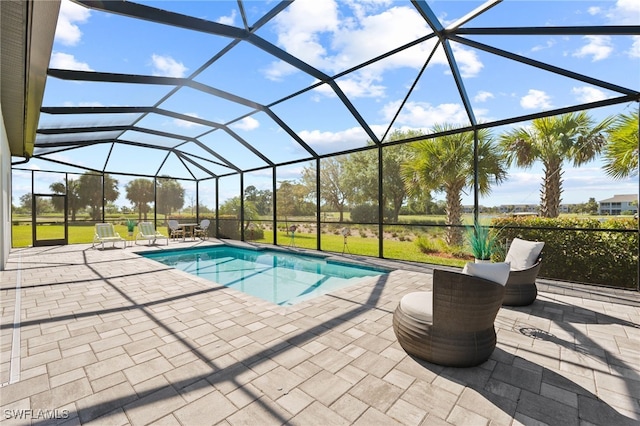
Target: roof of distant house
618, 198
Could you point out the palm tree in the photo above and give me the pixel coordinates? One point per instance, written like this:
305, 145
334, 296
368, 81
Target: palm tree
621, 153
73, 199
446, 164
554, 140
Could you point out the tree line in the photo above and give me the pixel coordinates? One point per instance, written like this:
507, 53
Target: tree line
86, 193
411, 173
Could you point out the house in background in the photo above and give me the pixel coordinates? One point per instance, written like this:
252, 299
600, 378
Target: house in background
519, 208
529, 209
619, 204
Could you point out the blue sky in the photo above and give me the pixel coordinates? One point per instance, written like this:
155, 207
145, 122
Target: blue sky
333, 36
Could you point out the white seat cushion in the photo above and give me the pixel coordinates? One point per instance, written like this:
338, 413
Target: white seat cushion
523, 254
418, 305
497, 272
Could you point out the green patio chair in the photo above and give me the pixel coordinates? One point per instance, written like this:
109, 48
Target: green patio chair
148, 232
106, 233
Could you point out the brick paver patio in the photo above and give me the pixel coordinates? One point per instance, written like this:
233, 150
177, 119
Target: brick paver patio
106, 337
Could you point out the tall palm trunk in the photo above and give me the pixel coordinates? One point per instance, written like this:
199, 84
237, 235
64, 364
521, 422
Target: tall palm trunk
454, 214
551, 189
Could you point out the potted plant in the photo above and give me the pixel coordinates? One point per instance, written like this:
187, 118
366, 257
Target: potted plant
483, 242
131, 224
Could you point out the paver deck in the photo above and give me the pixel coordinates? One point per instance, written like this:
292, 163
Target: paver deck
107, 337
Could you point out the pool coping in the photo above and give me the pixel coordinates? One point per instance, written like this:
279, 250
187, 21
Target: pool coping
329, 258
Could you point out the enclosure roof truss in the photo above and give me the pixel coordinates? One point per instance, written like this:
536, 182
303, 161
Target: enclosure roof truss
198, 151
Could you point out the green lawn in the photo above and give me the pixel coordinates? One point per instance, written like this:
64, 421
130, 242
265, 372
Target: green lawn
357, 245
400, 250
77, 234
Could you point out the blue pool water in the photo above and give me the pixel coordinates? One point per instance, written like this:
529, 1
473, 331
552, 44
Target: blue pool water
281, 278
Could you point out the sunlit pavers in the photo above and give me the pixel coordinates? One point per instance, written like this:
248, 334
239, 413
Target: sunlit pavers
109, 337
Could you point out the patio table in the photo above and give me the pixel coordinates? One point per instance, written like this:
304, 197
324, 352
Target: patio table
188, 228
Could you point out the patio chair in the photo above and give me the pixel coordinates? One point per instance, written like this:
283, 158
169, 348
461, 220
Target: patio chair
524, 258
202, 229
106, 233
149, 233
175, 231
453, 325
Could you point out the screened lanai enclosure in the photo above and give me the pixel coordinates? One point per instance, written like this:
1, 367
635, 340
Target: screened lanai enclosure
382, 129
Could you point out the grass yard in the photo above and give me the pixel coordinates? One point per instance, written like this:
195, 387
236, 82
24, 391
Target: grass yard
357, 245
400, 250
21, 234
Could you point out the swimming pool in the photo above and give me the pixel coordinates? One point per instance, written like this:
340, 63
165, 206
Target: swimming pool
281, 278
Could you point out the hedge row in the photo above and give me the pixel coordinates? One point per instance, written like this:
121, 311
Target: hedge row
580, 250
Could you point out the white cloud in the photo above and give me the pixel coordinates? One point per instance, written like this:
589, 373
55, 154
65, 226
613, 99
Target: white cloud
598, 47
228, 20
594, 10
286, 173
32, 166
82, 104
423, 114
634, 50
536, 99
579, 184
625, 12
588, 94
548, 45
483, 96
381, 33
300, 35
377, 34
467, 61
522, 187
65, 159
360, 85
66, 61
90, 104
345, 139
187, 124
362, 8
247, 123
166, 66
278, 70
600, 186
67, 30
333, 43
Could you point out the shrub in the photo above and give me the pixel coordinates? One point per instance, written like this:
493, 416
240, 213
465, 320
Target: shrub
254, 233
581, 249
229, 227
428, 245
